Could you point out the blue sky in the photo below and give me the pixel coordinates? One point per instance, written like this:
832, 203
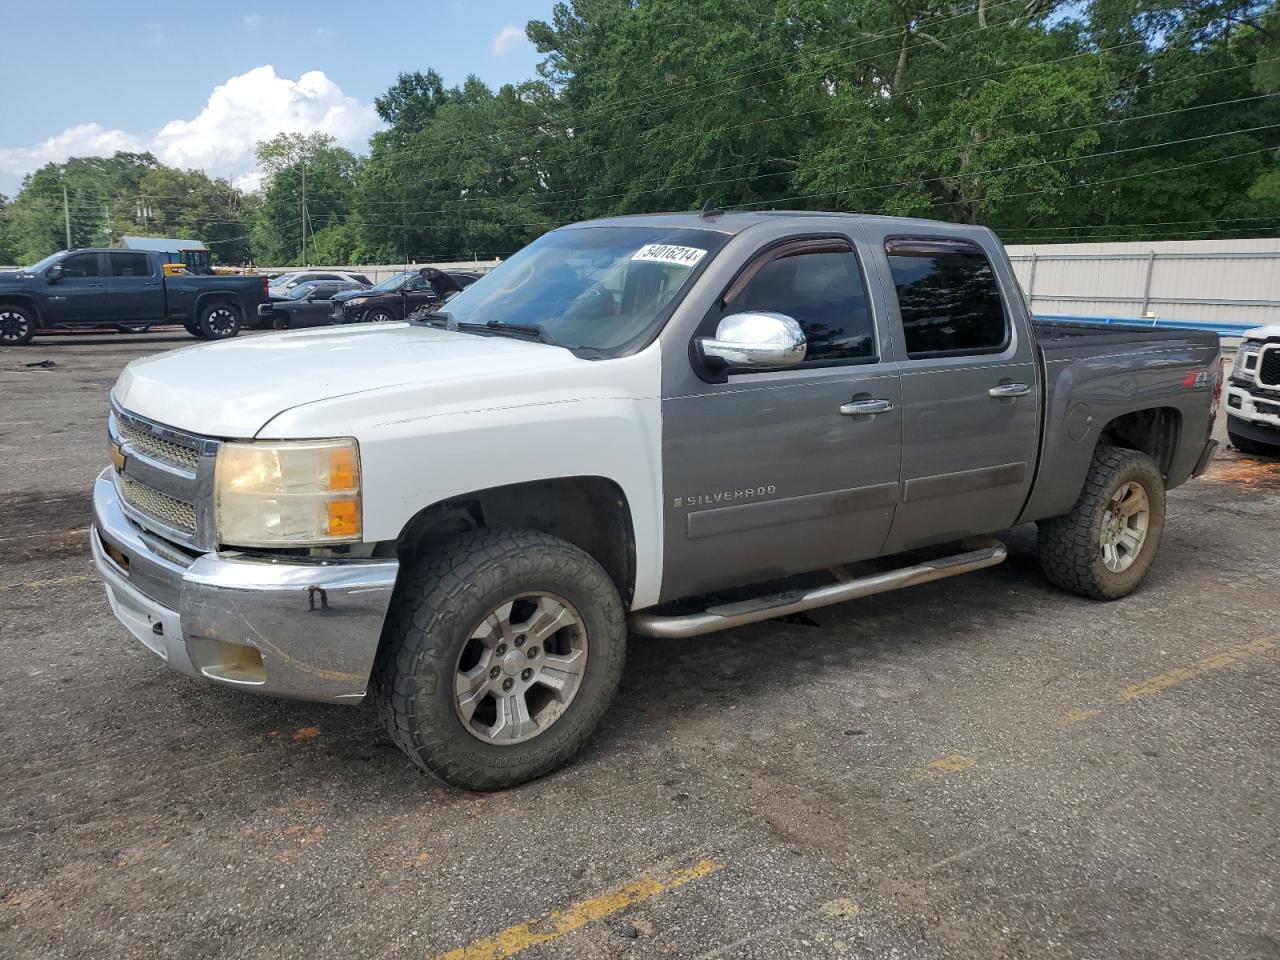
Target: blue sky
106, 74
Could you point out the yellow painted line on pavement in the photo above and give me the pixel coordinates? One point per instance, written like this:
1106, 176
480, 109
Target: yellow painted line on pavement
951, 763
1170, 678
560, 923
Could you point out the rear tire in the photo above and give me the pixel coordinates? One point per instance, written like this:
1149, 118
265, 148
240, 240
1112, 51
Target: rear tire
1255, 447
1104, 547
482, 624
17, 325
219, 321
192, 329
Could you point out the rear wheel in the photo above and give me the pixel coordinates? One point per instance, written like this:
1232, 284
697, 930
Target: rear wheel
1104, 547
219, 321
502, 651
134, 327
17, 325
1245, 445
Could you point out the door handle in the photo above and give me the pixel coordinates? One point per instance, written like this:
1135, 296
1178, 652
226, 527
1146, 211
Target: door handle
1009, 390
864, 408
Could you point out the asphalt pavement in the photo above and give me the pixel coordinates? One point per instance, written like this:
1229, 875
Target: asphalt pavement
982, 767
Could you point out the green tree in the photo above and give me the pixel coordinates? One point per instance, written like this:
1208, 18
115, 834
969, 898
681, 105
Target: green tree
330, 173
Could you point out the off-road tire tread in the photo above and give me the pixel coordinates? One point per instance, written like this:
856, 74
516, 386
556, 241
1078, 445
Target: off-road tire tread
442, 587
1068, 545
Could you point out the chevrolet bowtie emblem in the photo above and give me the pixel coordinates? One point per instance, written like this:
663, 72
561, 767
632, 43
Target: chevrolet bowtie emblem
117, 457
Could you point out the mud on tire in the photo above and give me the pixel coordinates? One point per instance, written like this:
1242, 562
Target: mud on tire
442, 598
1070, 546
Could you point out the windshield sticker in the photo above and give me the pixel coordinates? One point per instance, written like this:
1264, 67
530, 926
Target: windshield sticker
669, 253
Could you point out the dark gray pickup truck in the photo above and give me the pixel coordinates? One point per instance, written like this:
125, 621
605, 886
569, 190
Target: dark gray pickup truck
464, 517
127, 289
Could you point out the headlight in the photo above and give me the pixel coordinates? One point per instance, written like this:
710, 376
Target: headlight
288, 493
354, 301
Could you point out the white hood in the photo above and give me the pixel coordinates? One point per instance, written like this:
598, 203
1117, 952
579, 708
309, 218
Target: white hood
234, 387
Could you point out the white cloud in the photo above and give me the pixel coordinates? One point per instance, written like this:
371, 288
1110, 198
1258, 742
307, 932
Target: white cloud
84, 140
508, 38
220, 139
251, 20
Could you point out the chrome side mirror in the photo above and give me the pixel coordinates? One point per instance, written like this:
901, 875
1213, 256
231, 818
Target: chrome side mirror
754, 341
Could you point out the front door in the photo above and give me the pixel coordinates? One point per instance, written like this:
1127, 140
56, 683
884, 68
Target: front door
80, 295
135, 293
776, 472
970, 402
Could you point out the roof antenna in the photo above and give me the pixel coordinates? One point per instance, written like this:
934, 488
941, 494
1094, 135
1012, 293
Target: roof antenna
709, 209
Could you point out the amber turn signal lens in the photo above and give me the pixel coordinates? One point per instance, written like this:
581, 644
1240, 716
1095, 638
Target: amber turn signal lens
344, 518
342, 469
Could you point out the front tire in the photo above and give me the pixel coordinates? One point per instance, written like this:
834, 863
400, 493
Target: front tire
1104, 547
502, 651
17, 325
379, 316
219, 321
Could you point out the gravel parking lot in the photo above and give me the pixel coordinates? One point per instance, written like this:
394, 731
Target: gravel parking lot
981, 767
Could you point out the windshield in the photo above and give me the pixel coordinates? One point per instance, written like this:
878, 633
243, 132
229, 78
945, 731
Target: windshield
41, 264
602, 289
301, 290
393, 282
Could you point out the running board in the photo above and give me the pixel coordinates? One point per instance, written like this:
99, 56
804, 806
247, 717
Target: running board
797, 601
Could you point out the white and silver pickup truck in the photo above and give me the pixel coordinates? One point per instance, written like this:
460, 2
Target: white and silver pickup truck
464, 516
1253, 393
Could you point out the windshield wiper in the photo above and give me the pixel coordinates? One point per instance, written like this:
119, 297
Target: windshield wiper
529, 329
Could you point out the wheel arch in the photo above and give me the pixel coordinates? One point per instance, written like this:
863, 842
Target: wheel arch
25, 301
1154, 431
218, 296
591, 512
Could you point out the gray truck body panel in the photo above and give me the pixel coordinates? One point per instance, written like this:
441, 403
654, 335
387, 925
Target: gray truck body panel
764, 478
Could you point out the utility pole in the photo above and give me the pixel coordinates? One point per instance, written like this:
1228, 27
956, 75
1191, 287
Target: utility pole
304, 213
66, 216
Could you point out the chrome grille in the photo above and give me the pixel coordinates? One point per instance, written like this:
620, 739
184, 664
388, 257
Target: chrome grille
170, 511
158, 448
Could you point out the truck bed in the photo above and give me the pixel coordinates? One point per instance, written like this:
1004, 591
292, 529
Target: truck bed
1065, 340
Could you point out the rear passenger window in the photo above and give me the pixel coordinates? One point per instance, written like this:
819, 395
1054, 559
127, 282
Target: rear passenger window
130, 265
948, 297
820, 286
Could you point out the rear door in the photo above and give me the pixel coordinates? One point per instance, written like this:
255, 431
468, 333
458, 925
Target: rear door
136, 293
970, 401
81, 295
772, 472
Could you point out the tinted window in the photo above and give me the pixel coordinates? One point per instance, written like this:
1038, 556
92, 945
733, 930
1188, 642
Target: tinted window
948, 297
130, 265
822, 290
81, 265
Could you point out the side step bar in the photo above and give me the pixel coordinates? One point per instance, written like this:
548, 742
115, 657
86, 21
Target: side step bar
729, 615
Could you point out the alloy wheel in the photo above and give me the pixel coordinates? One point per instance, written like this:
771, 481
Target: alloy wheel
520, 669
14, 326
1124, 526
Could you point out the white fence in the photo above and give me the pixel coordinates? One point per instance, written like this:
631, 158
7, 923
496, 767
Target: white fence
1233, 282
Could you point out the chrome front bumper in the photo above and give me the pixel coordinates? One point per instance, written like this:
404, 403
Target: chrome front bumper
296, 628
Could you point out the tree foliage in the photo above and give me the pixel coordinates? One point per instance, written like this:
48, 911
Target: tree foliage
1045, 119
